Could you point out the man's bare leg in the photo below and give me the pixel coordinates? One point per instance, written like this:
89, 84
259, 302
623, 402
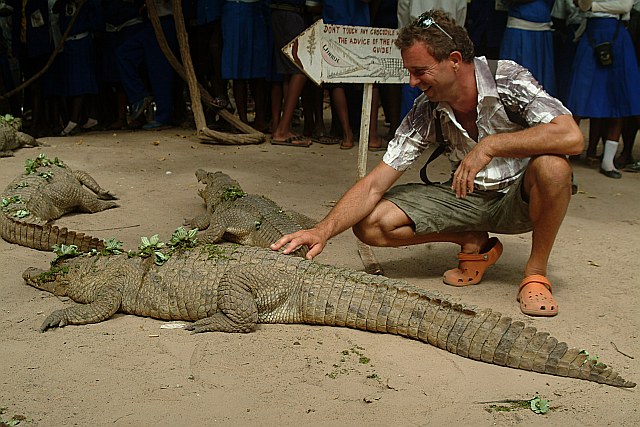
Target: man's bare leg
547, 185
389, 226
340, 102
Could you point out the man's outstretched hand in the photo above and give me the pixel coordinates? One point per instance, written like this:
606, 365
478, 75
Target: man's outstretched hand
312, 238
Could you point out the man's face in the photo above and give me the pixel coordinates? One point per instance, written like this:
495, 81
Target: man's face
432, 77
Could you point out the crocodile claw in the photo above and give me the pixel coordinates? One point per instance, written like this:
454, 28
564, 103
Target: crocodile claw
107, 195
57, 319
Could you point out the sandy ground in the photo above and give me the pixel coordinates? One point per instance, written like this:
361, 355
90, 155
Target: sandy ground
127, 371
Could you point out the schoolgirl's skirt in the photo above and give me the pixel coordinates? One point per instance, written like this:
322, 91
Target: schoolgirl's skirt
534, 51
605, 91
246, 52
79, 67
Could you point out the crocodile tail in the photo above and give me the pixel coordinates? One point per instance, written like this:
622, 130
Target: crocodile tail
43, 237
391, 306
494, 338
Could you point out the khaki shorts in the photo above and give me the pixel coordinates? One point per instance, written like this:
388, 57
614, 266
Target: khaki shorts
435, 208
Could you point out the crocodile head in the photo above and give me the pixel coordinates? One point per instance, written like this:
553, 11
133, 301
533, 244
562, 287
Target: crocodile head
54, 280
219, 188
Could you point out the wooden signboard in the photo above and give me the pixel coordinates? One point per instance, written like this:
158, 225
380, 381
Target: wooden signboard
344, 54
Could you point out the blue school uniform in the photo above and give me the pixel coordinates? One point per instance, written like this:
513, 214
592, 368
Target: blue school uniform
531, 48
605, 91
33, 39
485, 24
208, 11
142, 50
346, 12
30, 41
79, 55
246, 53
122, 20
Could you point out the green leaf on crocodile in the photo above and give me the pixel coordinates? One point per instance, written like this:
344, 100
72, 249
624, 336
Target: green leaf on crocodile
32, 165
63, 251
183, 239
232, 193
22, 213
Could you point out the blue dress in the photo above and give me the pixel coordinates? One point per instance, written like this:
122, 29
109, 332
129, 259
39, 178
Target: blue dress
246, 52
116, 13
346, 12
605, 91
208, 11
78, 59
532, 49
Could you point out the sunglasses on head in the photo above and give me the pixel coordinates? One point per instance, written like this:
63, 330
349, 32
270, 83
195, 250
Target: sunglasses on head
425, 21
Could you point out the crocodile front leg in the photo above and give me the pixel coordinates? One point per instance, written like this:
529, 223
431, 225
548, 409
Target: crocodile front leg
106, 303
214, 232
201, 222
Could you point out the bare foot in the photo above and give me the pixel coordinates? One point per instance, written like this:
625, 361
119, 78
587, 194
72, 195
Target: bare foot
290, 139
347, 144
375, 142
474, 242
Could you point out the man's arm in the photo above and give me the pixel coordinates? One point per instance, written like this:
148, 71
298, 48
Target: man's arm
358, 202
561, 136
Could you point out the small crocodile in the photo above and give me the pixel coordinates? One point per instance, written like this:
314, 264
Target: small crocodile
47, 190
247, 219
231, 288
11, 138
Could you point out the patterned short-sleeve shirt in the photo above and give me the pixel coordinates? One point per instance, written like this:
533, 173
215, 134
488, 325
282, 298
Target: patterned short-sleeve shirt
513, 87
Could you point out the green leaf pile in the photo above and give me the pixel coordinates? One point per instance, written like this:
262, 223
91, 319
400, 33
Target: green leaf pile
65, 251
32, 165
183, 239
232, 193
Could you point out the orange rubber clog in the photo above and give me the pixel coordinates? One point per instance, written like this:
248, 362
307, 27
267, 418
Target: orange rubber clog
535, 296
471, 267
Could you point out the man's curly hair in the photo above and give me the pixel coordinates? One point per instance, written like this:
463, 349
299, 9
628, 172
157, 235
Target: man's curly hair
438, 44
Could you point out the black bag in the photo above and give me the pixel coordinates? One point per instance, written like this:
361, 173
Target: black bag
604, 51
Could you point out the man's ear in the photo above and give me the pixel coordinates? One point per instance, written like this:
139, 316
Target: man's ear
456, 58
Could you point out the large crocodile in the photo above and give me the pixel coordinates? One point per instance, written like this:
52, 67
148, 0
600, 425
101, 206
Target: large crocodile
44, 192
231, 288
12, 138
247, 219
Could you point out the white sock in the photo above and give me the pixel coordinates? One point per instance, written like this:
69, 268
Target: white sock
70, 126
90, 123
610, 148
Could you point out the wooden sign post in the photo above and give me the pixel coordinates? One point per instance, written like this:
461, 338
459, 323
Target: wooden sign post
344, 54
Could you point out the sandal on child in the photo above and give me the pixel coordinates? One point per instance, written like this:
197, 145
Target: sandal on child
471, 267
535, 296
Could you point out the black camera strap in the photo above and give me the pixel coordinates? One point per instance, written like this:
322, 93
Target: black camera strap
592, 42
442, 145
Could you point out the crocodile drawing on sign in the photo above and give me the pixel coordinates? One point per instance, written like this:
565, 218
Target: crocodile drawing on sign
47, 190
247, 219
11, 138
231, 288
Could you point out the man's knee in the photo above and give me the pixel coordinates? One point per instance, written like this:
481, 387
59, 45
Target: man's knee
549, 171
381, 226
368, 231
